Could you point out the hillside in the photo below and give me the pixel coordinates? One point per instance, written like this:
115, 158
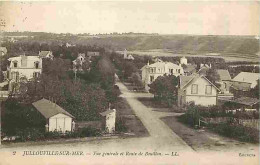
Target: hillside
193, 44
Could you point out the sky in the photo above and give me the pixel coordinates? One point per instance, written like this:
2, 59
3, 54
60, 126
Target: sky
168, 17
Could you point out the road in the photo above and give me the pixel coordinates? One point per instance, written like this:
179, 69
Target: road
163, 146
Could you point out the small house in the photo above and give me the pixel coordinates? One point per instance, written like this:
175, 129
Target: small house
197, 89
109, 120
57, 119
224, 80
245, 81
46, 54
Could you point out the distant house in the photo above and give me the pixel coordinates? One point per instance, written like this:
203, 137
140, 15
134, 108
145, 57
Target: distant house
45, 54
3, 51
23, 68
93, 54
225, 80
78, 62
57, 119
184, 61
203, 69
242, 103
245, 81
197, 89
128, 57
69, 45
150, 72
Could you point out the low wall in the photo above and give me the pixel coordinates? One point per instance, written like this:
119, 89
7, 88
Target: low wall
252, 123
85, 124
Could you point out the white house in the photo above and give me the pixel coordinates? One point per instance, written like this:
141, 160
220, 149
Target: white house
57, 119
184, 61
128, 57
78, 62
46, 54
197, 89
23, 68
245, 81
224, 80
151, 71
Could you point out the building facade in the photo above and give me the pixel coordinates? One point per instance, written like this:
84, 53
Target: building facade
197, 89
23, 68
150, 72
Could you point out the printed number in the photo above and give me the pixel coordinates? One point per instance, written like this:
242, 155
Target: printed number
14, 152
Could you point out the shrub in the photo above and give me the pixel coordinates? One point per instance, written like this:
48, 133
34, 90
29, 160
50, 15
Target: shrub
120, 125
239, 132
30, 134
88, 131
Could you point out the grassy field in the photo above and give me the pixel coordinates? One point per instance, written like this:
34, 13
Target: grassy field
167, 53
230, 47
130, 120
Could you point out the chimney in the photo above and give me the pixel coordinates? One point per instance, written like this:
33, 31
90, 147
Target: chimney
148, 63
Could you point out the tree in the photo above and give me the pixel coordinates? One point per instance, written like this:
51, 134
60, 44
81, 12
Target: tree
165, 89
137, 80
213, 76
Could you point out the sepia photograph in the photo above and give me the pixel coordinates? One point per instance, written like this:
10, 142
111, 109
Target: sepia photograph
129, 82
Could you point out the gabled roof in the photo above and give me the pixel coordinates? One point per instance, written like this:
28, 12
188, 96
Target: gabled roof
44, 53
184, 80
190, 68
247, 77
188, 79
49, 109
223, 74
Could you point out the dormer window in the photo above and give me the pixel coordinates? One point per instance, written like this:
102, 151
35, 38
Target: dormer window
36, 65
15, 64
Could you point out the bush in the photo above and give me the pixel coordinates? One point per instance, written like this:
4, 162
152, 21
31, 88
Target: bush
30, 134
120, 125
53, 135
88, 131
239, 132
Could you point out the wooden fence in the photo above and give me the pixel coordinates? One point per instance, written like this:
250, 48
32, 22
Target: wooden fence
252, 123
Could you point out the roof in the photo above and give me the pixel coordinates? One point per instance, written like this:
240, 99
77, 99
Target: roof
107, 112
190, 68
49, 109
184, 80
247, 77
188, 79
242, 100
17, 58
223, 74
203, 70
44, 53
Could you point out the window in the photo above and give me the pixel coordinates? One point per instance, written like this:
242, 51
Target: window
15, 64
194, 89
171, 71
36, 65
36, 74
151, 78
179, 71
208, 89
